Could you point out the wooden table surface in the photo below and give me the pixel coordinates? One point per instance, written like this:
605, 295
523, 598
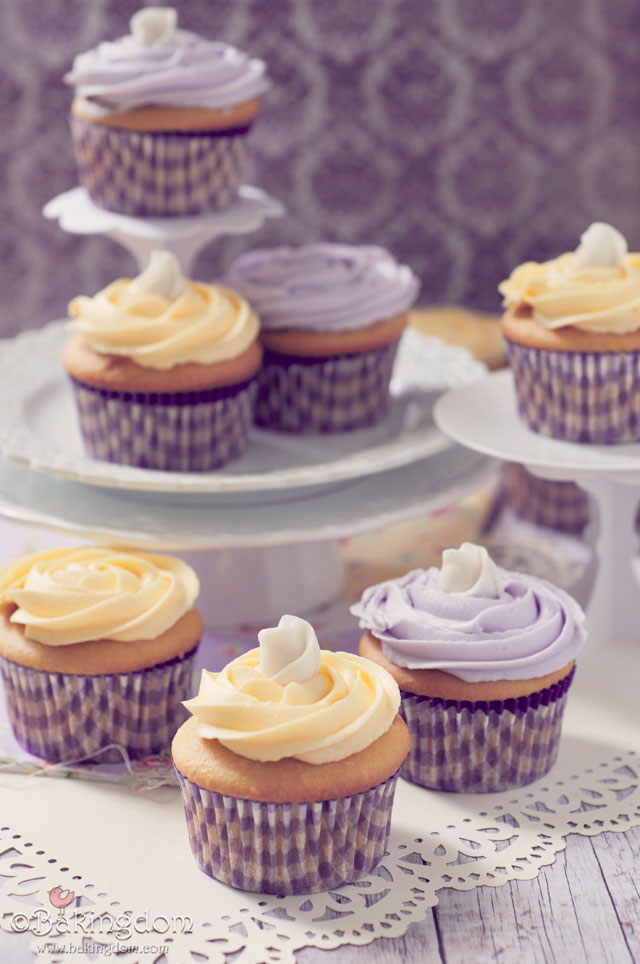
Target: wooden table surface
583, 909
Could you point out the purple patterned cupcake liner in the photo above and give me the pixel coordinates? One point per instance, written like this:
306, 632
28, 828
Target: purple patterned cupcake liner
483, 747
562, 506
64, 716
330, 394
159, 173
287, 848
578, 396
174, 432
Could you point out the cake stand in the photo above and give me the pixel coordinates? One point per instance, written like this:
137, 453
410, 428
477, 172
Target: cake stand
263, 531
76, 213
483, 416
255, 560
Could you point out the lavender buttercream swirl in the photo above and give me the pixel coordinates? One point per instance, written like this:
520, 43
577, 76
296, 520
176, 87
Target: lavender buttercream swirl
184, 70
323, 287
529, 629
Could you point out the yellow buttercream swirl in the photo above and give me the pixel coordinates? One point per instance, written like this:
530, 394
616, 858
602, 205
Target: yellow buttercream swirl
596, 298
203, 323
340, 710
69, 596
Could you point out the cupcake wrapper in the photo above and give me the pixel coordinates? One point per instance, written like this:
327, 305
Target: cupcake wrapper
287, 848
332, 394
159, 174
578, 396
483, 747
177, 432
64, 717
562, 506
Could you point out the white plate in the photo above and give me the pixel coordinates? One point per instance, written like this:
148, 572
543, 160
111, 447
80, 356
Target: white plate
484, 417
356, 505
38, 426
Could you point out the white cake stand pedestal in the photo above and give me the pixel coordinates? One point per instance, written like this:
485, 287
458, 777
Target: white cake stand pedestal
483, 416
256, 559
185, 237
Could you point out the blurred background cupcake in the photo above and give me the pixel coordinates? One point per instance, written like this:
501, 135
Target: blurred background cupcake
572, 327
289, 764
96, 649
163, 370
160, 116
484, 659
331, 317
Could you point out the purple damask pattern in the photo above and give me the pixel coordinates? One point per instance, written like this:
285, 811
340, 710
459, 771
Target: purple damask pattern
464, 135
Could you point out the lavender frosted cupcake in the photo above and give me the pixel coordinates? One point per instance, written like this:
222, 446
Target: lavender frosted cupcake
484, 659
96, 649
289, 765
331, 317
160, 117
573, 332
163, 370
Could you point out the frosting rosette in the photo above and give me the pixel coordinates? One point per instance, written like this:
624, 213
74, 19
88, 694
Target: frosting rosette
160, 319
595, 288
290, 699
519, 627
158, 64
323, 287
66, 596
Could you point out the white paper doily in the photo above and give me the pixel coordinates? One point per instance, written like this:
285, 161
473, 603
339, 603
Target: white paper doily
126, 855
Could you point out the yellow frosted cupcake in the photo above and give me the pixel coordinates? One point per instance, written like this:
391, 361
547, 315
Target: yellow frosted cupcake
96, 649
289, 765
163, 370
572, 327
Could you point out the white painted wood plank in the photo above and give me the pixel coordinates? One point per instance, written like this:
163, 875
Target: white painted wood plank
564, 916
618, 856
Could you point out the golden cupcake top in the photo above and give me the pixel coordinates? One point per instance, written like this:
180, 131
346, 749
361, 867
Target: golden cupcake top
290, 699
595, 288
161, 319
74, 595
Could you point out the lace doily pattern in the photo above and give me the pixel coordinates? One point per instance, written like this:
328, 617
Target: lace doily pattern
507, 840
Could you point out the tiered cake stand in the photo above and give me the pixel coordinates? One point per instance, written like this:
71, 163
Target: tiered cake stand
263, 531
483, 417
76, 213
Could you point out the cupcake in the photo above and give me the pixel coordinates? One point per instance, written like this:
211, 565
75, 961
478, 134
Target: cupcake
331, 317
96, 649
160, 117
289, 764
484, 659
163, 370
572, 327
562, 506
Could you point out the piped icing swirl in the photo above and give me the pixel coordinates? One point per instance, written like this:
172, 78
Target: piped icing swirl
66, 596
323, 287
290, 699
595, 288
516, 627
160, 320
157, 64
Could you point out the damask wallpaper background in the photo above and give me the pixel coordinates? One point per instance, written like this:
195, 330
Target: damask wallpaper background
465, 135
